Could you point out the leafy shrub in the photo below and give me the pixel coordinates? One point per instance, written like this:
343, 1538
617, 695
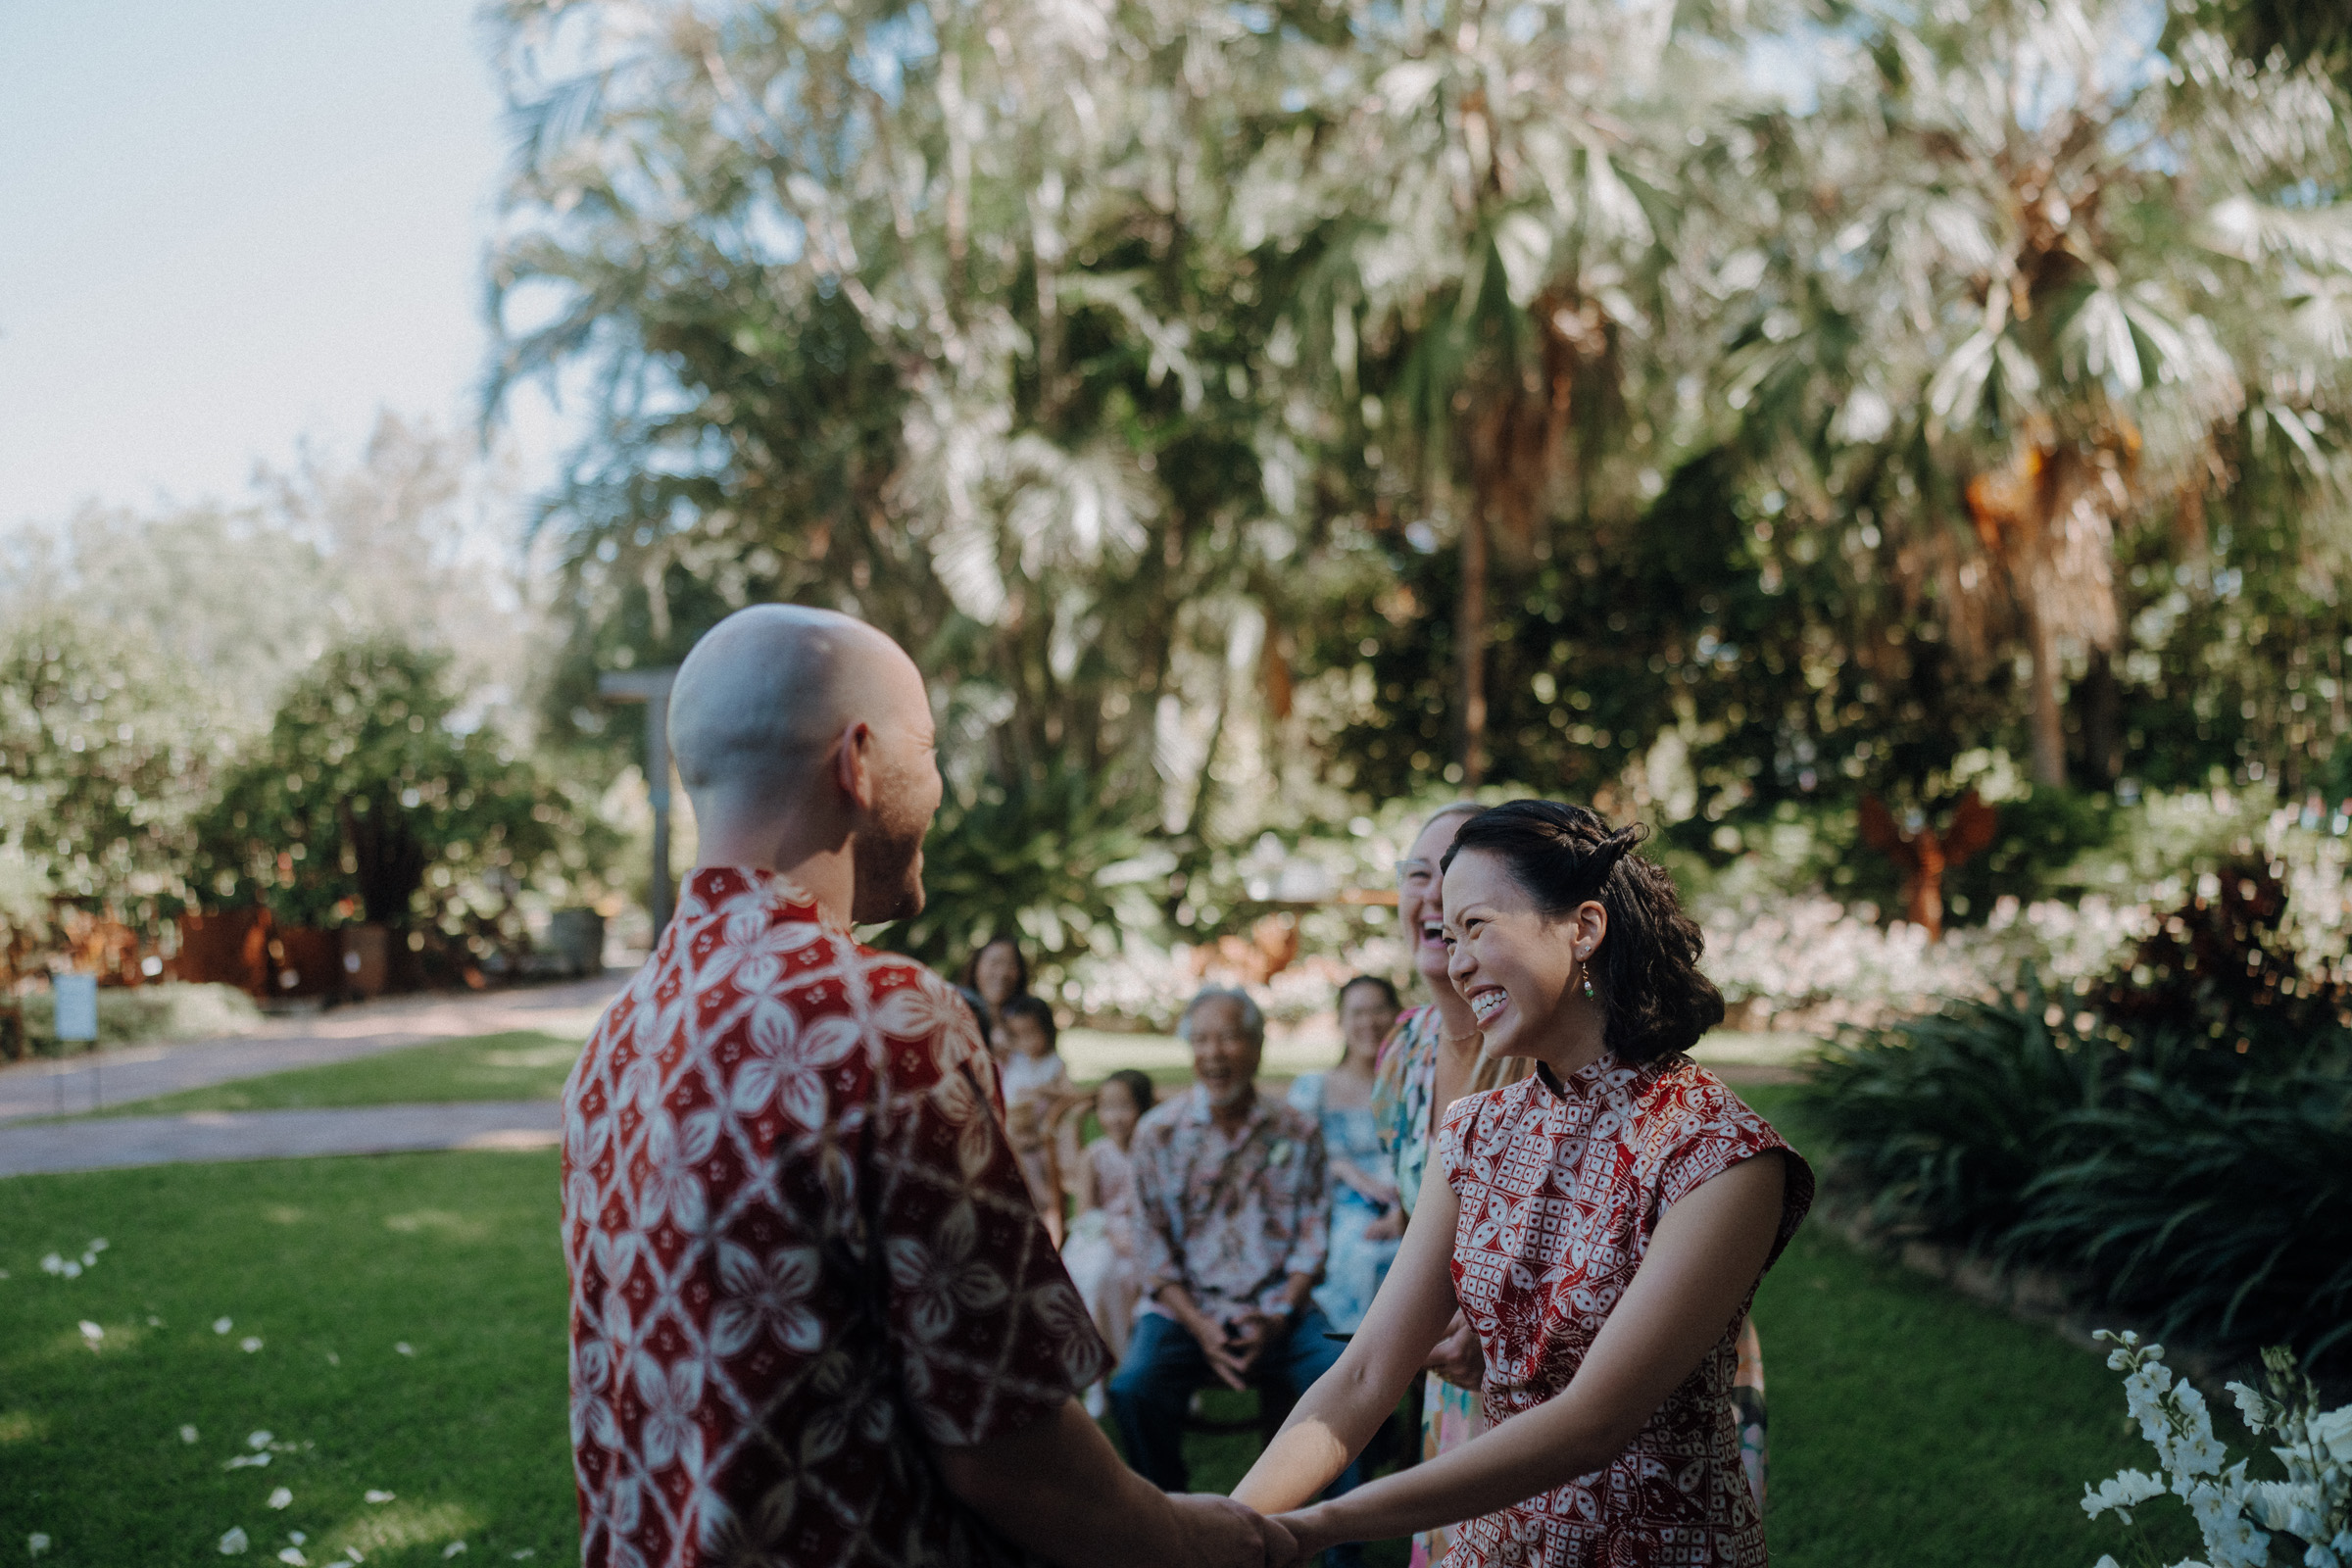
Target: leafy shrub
1949, 1117
2226, 1213
2179, 1179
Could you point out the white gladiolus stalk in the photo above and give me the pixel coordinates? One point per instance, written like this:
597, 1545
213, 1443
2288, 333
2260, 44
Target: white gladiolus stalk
2240, 1519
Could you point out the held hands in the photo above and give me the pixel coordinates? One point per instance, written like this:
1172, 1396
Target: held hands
1221, 1533
1233, 1347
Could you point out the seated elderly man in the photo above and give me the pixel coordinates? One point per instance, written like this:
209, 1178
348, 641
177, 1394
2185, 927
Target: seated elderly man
1233, 1202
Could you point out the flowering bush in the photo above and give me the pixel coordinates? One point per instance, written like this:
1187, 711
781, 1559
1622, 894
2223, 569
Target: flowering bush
2243, 1521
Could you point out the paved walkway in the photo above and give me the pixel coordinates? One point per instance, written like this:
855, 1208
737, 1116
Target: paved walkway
140, 1072
225, 1135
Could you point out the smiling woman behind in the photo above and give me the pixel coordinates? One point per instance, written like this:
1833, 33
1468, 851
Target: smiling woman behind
1602, 1226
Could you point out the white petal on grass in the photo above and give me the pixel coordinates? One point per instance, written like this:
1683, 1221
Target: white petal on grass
71, 1270
250, 1344
405, 1348
221, 1325
36, 1543
97, 1244
292, 1556
298, 1538
153, 1322
332, 1359
527, 1552
247, 1461
51, 1264
188, 1434
452, 1549
281, 1497
258, 1439
233, 1544
91, 1333
89, 1260
373, 1496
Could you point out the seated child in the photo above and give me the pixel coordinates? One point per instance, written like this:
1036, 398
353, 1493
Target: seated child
1100, 1253
1037, 1089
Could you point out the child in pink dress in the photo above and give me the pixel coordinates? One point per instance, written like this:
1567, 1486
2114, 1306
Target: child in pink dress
1037, 1091
1100, 1253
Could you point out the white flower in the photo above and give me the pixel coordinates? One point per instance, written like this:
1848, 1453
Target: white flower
187, 1434
2319, 1557
2236, 1543
221, 1325
247, 1461
250, 1344
373, 1496
233, 1544
293, 1558
36, 1543
281, 1497
2122, 1492
2334, 1433
2199, 1455
51, 1264
405, 1348
452, 1549
258, 1439
2251, 1406
91, 1333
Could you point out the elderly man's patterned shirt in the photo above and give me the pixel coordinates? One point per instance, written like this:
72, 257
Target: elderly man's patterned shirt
1229, 1218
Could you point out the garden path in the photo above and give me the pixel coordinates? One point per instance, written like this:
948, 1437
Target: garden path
139, 1072
211, 1136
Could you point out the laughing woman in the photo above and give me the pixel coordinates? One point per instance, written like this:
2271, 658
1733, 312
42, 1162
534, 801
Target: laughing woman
1601, 1225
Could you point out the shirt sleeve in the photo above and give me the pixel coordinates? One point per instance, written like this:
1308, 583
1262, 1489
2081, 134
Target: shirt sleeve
990, 1334
1310, 1242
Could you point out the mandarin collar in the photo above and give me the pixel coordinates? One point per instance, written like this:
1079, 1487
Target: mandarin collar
1584, 1084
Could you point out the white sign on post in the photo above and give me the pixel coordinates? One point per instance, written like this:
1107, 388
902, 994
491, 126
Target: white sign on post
77, 999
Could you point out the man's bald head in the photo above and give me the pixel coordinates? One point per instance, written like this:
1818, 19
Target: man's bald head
768, 691
814, 722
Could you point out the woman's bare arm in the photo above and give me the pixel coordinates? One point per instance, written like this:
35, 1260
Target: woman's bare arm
1334, 1420
1706, 1253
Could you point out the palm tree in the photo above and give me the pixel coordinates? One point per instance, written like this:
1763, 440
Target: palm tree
2058, 273
1484, 197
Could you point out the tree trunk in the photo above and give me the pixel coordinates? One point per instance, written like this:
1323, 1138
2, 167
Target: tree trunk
2101, 700
1470, 632
2049, 722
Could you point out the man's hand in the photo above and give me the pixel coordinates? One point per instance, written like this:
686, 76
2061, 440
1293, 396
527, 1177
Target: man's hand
1221, 1533
1457, 1358
1228, 1361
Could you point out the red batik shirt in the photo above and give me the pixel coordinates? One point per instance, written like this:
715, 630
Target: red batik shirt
800, 1253
1561, 1186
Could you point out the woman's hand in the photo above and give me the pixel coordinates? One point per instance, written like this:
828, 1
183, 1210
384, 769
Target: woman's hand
1387, 1226
1310, 1528
1457, 1358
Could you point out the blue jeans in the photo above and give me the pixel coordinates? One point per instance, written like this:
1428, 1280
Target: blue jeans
1164, 1365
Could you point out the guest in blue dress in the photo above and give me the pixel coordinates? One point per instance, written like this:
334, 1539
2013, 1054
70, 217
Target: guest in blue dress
1365, 1219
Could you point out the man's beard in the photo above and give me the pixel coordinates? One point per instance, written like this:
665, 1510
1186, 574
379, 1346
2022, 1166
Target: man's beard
889, 861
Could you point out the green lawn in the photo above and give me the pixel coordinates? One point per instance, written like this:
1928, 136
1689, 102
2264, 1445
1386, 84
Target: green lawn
1907, 1425
505, 1066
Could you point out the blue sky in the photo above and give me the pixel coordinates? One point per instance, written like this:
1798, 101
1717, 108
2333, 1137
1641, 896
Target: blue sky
225, 224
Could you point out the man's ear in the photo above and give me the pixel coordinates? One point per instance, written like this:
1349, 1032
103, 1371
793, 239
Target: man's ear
853, 764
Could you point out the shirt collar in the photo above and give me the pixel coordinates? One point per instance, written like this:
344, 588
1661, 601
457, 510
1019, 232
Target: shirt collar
717, 891
1197, 1110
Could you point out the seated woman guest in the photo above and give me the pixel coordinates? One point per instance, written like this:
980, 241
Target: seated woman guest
1101, 1254
1363, 1200
995, 975
1602, 1223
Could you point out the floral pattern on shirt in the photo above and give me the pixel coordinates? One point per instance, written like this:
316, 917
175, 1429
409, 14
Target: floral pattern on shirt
798, 1249
1230, 1219
1560, 1187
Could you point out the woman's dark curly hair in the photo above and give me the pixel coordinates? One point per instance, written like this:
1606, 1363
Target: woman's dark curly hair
1653, 1001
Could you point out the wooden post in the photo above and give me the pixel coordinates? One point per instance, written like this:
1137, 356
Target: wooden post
652, 688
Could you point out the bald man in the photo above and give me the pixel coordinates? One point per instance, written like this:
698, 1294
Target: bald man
816, 1319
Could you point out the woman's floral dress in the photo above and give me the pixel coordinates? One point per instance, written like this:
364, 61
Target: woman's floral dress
1404, 1084
1560, 1187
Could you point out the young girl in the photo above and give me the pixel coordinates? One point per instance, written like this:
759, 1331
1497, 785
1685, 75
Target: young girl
1100, 1253
1037, 1089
